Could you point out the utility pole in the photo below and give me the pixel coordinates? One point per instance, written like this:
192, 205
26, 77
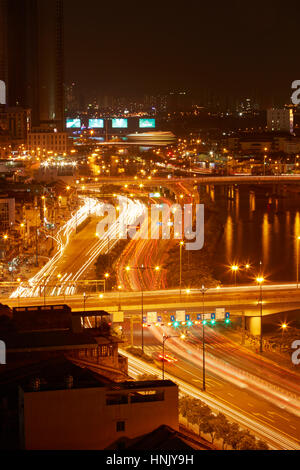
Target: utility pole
180, 265
203, 290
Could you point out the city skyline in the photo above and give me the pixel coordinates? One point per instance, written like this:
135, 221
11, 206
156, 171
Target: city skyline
231, 49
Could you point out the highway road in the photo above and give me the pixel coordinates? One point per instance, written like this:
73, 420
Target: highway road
76, 253
248, 393
238, 405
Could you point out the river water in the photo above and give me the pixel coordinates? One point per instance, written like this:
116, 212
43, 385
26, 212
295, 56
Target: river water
261, 229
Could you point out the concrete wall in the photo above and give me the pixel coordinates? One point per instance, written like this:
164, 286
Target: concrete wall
81, 419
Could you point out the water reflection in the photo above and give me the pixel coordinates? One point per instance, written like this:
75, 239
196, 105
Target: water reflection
258, 226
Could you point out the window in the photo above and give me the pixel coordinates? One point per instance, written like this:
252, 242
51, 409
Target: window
116, 399
120, 426
147, 396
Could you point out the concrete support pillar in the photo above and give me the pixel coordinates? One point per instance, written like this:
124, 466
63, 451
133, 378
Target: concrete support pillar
254, 325
243, 327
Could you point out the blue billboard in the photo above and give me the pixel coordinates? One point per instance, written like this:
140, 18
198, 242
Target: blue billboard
119, 123
147, 123
96, 123
73, 123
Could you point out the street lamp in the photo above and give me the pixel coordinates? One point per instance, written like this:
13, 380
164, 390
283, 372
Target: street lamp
106, 277
203, 290
119, 288
260, 280
234, 268
181, 244
283, 327
85, 297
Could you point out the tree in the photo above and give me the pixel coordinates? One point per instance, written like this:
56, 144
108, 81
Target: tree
185, 404
247, 442
261, 445
234, 436
222, 428
207, 425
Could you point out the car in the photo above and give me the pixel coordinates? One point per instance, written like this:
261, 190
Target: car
164, 358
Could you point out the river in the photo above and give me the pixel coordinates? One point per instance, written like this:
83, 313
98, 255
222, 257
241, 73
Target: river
259, 227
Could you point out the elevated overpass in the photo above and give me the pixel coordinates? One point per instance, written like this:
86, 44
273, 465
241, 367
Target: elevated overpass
234, 179
240, 301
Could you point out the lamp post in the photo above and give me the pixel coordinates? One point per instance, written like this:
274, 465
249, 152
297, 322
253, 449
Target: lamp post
234, 269
265, 156
260, 279
203, 290
45, 280
180, 265
119, 289
106, 277
85, 297
142, 268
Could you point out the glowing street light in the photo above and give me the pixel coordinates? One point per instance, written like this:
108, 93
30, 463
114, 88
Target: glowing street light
234, 268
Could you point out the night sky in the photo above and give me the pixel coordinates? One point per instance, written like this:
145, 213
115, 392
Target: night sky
232, 47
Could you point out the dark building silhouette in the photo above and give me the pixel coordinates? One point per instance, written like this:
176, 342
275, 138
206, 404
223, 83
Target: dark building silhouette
32, 58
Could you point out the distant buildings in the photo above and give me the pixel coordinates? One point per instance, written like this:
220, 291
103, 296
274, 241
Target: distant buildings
31, 58
7, 213
16, 122
280, 120
32, 70
47, 141
264, 142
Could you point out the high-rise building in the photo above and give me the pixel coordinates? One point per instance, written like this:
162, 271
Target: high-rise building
31, 58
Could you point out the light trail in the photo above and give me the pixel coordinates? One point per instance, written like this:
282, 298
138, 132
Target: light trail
275, 439
276, 395
129, 211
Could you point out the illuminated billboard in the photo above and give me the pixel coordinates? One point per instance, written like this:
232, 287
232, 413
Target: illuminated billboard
96, 123
73, 123
119, 123
147, 123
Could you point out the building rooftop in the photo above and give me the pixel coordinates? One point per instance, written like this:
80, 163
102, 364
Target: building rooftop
162, 438
50, 374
